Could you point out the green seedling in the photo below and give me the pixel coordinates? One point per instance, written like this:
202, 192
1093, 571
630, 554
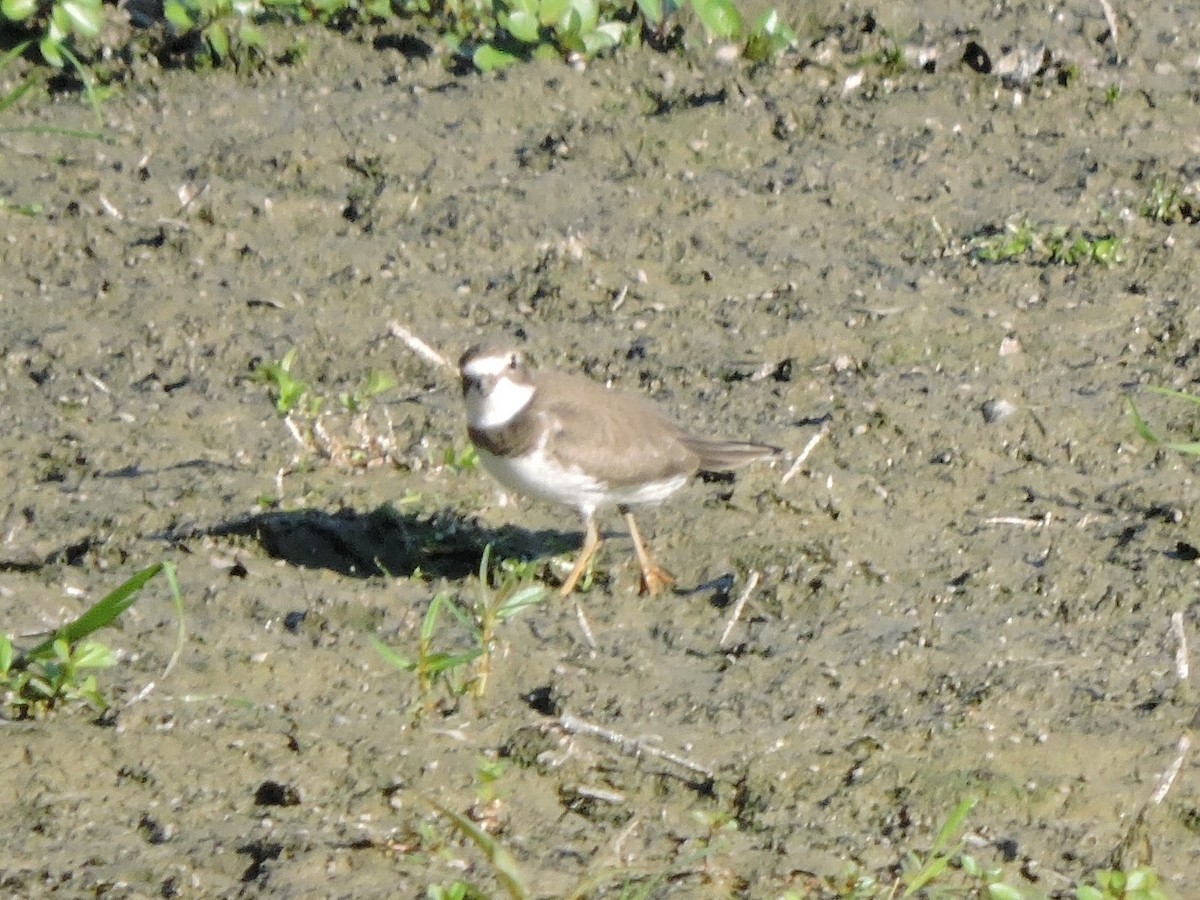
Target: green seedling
542, 29
507, 872
1166, 204
1140, 426
494, 606
1051, 244
1136, 884
430, 666
919, 872
60, 669
288, 389
503, 593
375, 384
769, 38
464, 460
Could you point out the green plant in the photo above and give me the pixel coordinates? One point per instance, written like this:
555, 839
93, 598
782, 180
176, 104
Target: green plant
769, 38
917, 872
1136, 884
1166, 204
60, 669
464, 460
1140, 426
1047, 244
58, 22
430, 666
289, 391
503, 593
376, 383
541, 29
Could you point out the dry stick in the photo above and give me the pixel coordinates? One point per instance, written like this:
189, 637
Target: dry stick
1019, 521
418, 346
585, 626
629, 746
1110, 16
751, 584
808, 448
1182, 666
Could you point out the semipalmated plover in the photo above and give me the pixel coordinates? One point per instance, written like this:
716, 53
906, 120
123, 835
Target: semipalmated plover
569, 440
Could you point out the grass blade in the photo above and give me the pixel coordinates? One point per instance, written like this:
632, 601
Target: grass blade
101, 614
502, 861
390, 656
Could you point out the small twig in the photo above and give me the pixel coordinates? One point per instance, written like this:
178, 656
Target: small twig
295, 431
629, 746
418, 346
804, 454
1020, 521
1182, 666
585, 626
1168, 777
751, 584
1110, 16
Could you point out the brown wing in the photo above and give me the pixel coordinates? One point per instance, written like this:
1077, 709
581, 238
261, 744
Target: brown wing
619, 438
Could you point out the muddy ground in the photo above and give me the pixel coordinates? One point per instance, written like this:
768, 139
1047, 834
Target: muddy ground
949, 604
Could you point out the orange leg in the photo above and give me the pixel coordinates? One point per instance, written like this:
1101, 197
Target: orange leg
591, 543
654, 579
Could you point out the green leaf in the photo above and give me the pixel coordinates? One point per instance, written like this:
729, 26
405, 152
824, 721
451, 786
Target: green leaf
488, 58
502, 862
602, 38
251, 37
652, 11
217, 39
90, 655
522, 25
178, 15
51, 51
437, 663
1000, 891
589, 15
551, 12
720, 18
17, 10
101, 614
85, 16
522, 599
403, 663
6, 655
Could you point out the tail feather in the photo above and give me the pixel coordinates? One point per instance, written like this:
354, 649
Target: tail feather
723, 456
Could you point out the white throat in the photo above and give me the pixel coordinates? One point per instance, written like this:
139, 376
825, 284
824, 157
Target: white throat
499, 406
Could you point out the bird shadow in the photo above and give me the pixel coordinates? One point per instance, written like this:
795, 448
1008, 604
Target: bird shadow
385, 541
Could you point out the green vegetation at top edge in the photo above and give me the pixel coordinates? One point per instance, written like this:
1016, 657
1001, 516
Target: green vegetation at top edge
486, 34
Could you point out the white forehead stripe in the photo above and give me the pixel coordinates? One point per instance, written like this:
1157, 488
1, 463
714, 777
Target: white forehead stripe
484, 366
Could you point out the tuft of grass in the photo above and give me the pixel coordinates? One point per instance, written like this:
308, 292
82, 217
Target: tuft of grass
1166, 204
288, 390
1045, 245
356, 437
1143, 430
503, 593
60, 670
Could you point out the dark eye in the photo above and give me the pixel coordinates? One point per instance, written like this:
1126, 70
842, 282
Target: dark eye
512, 361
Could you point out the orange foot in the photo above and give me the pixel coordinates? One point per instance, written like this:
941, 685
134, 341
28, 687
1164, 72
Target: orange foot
654, 580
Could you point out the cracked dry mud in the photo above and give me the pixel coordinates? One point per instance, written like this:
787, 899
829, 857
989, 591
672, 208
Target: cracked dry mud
948, 606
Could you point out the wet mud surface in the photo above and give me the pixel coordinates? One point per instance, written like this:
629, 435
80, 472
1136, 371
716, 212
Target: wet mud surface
949, 604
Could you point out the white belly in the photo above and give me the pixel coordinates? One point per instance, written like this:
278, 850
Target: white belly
536, 476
